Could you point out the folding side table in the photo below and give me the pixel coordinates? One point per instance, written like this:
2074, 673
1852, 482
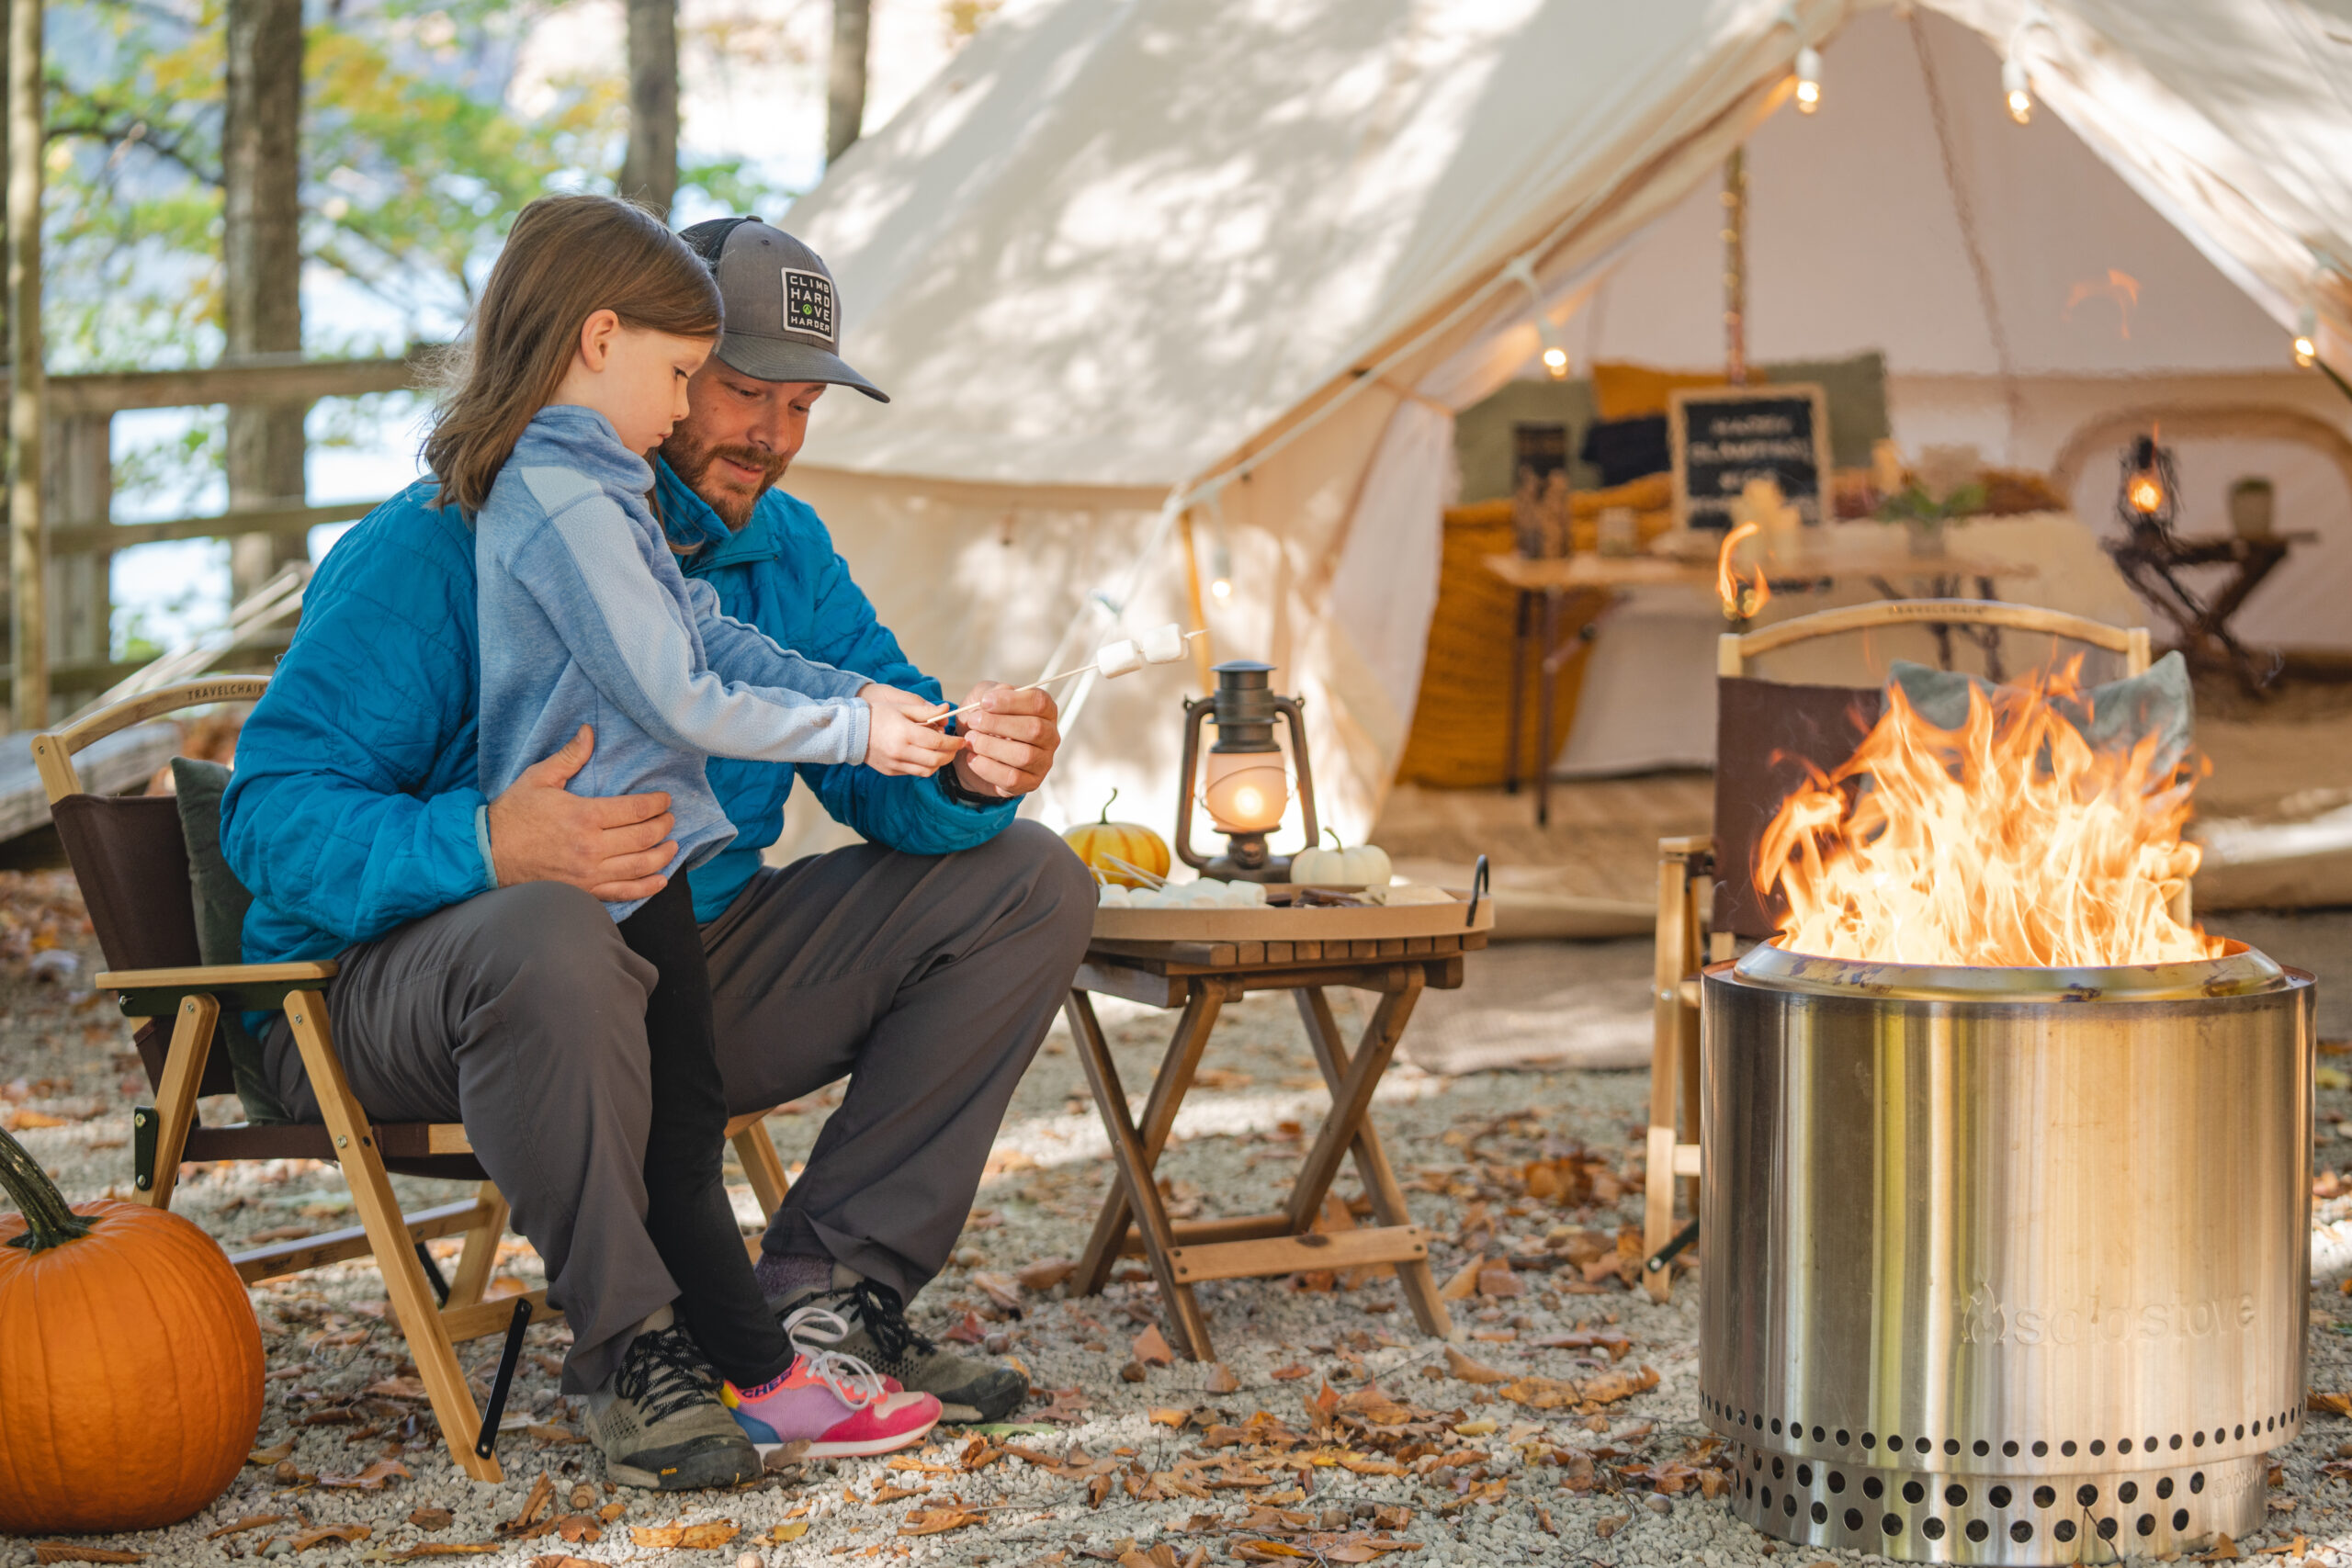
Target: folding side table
1198, 959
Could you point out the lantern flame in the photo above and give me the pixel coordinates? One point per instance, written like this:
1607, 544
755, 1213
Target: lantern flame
2008, 842
1742, 596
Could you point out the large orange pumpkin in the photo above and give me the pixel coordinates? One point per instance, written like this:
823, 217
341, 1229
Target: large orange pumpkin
1100, 843
131, 1363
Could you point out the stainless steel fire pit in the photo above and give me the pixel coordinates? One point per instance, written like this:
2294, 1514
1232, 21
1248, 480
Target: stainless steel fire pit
2005, 1265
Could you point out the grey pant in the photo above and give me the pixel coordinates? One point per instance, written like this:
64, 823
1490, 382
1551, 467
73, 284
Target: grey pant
928, 980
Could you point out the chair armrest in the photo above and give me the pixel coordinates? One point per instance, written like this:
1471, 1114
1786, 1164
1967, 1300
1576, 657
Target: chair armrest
257, 987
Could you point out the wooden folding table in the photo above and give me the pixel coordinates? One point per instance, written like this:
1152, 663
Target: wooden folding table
1198, 959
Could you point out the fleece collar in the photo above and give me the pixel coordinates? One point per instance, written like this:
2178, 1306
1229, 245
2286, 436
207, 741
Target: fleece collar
567, 435
693, 526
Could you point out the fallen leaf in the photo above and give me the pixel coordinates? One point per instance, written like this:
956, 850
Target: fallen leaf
435, 1548
343, 1535
1267, 1548
1468, 1370
938, 1520
1152, 1350
1606, 1527
1465, 1284
579, 1529
250, 1522
29, 1119
1222, 1381
612, 1511
1497, 1279
1005, 1292
690, 1537
534, 1507
892, 1493
2331, 1404
969, 1331
1290, 1373
67, 1552
2224, 1550
783, 1533
562, 1560
375, 1478
431, 1518
547, 1434
272, 1454
398, 1388
1168, 1415
1068, 1404
1046, 1274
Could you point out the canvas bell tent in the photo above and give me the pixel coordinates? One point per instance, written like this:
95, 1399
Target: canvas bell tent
1168, 287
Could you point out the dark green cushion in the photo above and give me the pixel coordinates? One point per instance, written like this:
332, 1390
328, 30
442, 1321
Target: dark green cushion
1856, 390
221, 905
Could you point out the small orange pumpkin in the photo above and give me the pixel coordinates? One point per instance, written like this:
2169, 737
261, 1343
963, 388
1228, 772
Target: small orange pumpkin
1100, 843
131, 1363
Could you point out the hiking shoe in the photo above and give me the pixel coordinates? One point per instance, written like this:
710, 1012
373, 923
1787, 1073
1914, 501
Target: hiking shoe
969, 1390
661, 1421
834, 1403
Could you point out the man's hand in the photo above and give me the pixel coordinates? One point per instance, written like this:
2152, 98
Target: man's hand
616, 848
899, 737
1013, 736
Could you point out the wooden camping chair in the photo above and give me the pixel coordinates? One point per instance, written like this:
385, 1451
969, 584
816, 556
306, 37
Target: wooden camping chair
131, 861
1765, 734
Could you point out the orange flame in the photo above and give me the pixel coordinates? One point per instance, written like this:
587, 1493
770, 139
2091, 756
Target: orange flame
2118, 286
1741, 597
2008, 842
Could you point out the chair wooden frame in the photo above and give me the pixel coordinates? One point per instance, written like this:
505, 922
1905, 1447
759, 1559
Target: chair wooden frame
1672, 1151
169, 1133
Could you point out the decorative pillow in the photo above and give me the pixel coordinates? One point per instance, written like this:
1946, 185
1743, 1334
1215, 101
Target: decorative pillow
1856, 391
221, 905
1627, 449
2121, 714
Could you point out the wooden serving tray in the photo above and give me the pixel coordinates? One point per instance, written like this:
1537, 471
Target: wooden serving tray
1321, 923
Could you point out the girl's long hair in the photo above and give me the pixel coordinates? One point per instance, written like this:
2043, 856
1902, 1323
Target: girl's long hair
566, 258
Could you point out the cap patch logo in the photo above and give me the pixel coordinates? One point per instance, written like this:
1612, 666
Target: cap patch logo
808, 304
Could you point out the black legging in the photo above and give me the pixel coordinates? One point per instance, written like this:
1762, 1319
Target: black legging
687, 1214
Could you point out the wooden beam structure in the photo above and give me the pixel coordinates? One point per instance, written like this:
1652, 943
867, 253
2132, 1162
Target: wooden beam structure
253, 378
28, 622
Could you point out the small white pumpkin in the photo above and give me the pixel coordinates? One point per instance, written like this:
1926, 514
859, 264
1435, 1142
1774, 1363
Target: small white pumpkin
1366, 865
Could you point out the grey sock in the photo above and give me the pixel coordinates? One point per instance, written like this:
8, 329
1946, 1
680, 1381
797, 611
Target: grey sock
787, 1274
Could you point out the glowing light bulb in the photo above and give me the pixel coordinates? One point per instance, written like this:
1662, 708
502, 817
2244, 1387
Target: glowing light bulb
1248, 802
2306, 353
1221, 589
2307, 338
2018, 92
1556, 360
2146, 493
1808, 79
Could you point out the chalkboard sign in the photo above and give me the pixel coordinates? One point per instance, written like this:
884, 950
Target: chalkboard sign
1724, 436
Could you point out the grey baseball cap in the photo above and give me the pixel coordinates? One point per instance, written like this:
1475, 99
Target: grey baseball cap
783, 316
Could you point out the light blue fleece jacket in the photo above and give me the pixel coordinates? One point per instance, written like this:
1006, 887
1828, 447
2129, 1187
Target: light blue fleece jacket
585, 618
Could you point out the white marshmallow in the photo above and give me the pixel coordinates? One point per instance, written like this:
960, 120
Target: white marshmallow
1120, 658
1163, 644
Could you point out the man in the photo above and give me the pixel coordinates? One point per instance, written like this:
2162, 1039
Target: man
482, 980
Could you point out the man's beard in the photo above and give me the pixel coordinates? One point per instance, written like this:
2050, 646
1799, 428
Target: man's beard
723, 493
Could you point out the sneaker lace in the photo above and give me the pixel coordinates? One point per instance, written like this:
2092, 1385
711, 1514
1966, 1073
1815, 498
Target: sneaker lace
812, 1331
884, 1316
664, 1373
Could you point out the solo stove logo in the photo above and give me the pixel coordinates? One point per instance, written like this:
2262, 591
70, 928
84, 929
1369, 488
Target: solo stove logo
1983, 1320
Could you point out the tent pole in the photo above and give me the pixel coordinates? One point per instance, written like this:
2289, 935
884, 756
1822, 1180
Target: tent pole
28, 620
1734, 200
1201, 658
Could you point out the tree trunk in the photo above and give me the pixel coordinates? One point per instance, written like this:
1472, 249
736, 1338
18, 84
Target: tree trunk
28, 626
650, 170
845, 76
262, 240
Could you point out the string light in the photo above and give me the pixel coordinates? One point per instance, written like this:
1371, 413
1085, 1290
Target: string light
1808, 79
2015, 88
1555, 355
2306, 338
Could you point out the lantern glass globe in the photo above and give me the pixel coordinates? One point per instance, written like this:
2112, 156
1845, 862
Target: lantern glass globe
1246, 791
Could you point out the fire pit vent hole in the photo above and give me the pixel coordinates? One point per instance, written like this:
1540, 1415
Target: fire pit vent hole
1933, 1528
2020, 1532
1976, 1531
1956, 1495
2063, 1529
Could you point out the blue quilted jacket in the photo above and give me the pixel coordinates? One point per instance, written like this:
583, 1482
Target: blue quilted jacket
354, 807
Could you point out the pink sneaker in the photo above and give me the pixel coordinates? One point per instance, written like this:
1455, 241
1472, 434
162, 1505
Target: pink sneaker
836, 1403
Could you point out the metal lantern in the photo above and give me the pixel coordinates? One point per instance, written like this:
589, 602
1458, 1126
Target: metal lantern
2149, 497
1247, 785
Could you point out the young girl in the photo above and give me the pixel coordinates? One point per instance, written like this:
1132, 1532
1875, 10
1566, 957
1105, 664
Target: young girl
594, 317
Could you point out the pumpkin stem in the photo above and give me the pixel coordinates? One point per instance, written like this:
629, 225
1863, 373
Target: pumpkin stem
49, 1220
1106, 819
1333, 834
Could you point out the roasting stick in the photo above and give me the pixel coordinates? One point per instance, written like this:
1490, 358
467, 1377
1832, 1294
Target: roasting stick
1162, 645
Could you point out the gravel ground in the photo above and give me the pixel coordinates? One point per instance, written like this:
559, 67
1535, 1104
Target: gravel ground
1478, 1473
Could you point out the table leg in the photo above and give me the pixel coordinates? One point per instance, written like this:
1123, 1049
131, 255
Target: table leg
1371, 1164
1546, 678
1167, 1090
1134, 1168
1352, 1101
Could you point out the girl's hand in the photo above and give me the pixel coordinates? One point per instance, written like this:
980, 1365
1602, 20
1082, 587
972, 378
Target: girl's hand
898, 741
